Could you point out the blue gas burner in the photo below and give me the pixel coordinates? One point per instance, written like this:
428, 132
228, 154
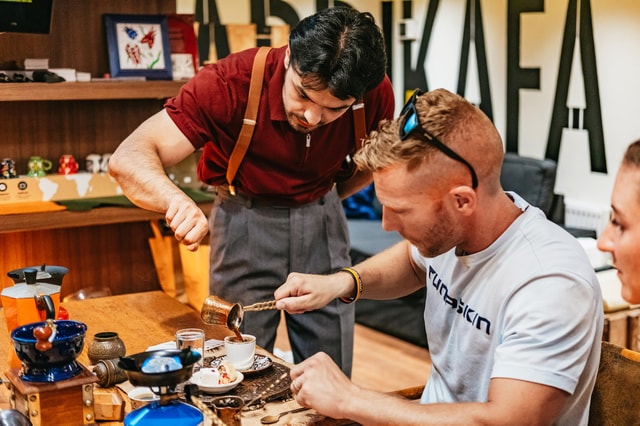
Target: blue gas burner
162, 371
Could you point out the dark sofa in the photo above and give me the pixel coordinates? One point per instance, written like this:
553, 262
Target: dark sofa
531, 178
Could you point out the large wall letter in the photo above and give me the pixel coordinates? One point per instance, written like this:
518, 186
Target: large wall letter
592, 113
528, 78
473, 44
417, 78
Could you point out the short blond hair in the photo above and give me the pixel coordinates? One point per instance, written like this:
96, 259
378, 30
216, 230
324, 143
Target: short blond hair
449, 117
632, 155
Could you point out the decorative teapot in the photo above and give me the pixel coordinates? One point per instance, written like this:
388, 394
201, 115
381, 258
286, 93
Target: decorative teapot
29, 301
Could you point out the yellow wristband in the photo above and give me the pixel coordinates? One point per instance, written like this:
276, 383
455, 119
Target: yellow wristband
357, 281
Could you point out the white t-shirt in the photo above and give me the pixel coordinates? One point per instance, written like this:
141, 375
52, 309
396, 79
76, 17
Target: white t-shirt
528, 307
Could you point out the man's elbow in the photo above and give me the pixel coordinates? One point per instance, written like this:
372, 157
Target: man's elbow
117, 165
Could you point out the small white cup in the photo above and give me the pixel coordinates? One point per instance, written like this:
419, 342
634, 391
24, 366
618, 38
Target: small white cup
240, 353
141, 396
93, 163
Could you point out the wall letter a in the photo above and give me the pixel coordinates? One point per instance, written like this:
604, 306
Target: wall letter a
592, 113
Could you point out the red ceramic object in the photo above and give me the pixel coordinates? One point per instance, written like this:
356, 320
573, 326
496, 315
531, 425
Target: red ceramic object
68, 165
63, 314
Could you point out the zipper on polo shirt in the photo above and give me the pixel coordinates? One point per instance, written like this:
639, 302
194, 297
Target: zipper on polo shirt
307, 147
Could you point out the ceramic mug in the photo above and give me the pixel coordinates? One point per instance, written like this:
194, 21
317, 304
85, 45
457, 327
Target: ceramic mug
67, 165
240, 353
38, 166
92, 163
141, 396
8, 168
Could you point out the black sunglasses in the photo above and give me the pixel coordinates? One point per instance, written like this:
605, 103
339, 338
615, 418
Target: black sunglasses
409, 122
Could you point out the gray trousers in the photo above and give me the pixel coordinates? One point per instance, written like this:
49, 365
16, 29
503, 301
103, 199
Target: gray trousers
254, 246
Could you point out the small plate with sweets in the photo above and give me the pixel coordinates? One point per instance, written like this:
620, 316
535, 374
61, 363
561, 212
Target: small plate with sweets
217, 380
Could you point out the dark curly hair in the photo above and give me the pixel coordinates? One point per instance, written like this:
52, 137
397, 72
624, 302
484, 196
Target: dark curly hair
339, 49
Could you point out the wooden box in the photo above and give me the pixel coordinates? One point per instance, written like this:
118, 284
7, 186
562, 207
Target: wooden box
53, 404
623, 328
633, 339
55, 187
108, 404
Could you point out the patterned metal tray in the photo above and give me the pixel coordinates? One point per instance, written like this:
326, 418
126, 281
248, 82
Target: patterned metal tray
250, 388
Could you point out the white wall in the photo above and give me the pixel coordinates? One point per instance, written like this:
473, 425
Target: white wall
616, 32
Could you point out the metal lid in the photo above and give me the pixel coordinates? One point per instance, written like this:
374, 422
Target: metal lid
23, 290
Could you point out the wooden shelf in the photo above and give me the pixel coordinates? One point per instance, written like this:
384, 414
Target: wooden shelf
106, 245
75, 219
100, 90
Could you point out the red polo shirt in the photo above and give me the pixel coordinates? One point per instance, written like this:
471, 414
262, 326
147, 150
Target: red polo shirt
278, 165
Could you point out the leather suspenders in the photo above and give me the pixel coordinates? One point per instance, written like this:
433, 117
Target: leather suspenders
359, 124
251, 113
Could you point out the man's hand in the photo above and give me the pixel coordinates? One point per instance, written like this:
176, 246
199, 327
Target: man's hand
187, 221
307, 292
318, 382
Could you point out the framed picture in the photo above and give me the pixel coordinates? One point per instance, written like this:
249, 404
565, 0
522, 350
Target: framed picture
138, 46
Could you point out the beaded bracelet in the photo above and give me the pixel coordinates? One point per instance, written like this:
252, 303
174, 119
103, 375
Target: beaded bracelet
357, 279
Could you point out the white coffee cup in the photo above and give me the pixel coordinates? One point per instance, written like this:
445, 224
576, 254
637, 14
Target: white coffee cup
93, 164
240, 353
141, 396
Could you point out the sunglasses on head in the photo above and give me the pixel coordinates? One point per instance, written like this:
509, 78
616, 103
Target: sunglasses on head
409, 122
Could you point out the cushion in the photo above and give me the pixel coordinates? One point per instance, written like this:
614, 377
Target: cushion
615, 398
531, 178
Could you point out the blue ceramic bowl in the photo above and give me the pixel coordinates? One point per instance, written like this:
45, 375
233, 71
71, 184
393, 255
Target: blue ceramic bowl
55, 364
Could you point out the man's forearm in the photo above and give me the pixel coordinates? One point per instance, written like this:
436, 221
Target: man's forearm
353, 185
381, 273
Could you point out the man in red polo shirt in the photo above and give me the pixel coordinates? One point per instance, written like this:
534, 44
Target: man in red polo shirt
286, 213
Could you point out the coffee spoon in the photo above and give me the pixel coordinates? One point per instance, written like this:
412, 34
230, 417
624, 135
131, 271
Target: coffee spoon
267, 420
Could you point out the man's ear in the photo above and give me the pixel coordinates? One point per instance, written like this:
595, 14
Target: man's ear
287, 56
465, 199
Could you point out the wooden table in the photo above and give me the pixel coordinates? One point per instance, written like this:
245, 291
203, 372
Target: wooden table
142, 320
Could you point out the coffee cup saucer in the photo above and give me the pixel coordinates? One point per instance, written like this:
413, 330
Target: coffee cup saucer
214, 388
260, 363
